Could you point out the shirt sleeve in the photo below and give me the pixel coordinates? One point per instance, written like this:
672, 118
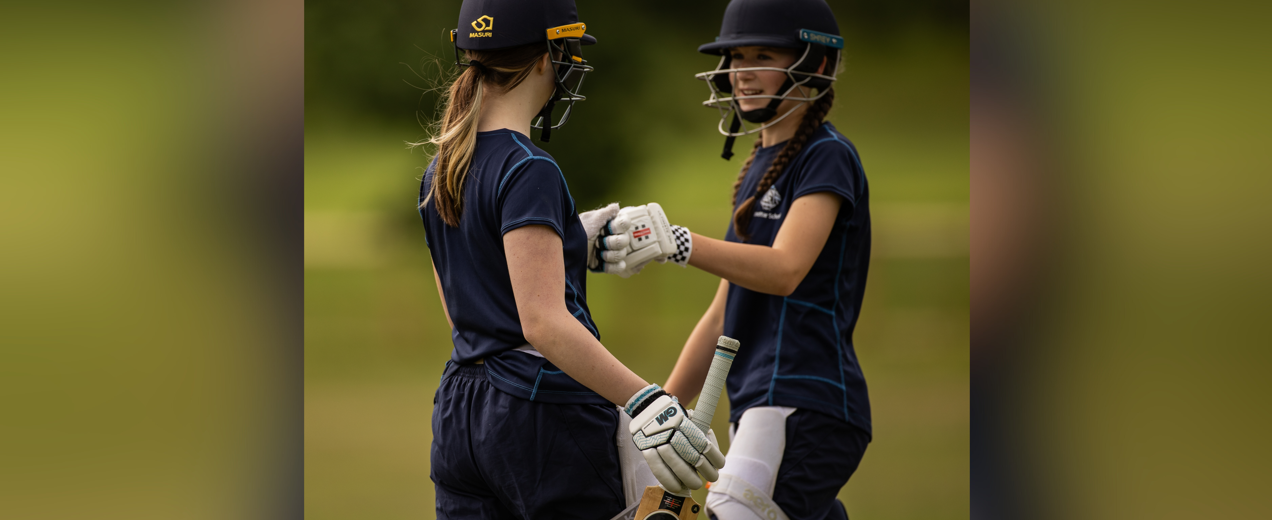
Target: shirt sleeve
832, 166
535, 194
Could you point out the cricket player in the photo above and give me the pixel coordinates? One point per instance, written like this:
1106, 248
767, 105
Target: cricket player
525, 418
793, 263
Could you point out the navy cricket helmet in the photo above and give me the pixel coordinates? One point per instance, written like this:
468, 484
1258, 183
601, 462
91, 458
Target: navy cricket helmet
499, 24
807, 26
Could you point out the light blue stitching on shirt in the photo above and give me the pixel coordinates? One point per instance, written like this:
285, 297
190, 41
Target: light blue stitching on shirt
506, 380
815, 378
835, 324
518, 141
777, 352
834, 321
813, 305
536, 157
535, 390
588, 321
539, 378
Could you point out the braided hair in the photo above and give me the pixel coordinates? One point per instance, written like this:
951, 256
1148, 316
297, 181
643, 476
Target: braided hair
813, 118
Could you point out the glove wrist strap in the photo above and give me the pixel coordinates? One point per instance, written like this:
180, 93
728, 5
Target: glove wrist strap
684, 246
642, 399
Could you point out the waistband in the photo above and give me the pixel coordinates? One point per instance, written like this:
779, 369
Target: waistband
526, 376
477, 371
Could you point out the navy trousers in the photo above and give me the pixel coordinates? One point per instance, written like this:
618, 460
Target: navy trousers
822, 452
499, 457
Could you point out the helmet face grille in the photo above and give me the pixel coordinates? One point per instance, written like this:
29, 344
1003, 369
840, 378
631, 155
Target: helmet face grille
801, 76
569, 69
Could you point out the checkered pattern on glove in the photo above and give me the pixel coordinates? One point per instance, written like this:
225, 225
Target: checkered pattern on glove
684, 246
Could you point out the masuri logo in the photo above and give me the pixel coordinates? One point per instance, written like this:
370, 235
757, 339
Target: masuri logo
484, 23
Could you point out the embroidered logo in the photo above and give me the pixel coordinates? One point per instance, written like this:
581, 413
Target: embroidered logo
484, 27
771, 200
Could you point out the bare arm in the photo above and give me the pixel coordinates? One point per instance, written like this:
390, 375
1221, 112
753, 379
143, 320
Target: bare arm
442, 295
691, 369
779, 269
537, 269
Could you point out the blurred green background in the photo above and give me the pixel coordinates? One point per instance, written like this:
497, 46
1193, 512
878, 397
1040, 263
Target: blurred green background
151, 284
375, 335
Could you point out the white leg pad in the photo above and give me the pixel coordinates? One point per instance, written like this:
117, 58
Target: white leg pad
747, 480
732, 498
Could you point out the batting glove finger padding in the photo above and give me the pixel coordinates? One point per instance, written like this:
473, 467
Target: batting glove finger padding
644, 233
593, 221
676, 449
712, 458
683, 471
614, 242
666, 477
611, 257
618, 268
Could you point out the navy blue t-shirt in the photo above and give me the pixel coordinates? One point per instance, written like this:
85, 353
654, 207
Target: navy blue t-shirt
797, 350
511, 183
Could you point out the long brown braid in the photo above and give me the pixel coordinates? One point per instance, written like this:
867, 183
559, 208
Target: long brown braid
746, 166
813, 118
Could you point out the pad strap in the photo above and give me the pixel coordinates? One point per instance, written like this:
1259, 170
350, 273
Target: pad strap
754, 498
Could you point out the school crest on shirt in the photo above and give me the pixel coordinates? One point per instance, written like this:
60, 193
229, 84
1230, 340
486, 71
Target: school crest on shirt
771, 200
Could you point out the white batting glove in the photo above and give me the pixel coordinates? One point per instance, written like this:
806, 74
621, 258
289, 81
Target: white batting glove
676, 449
593, 221
649, 237
715, 459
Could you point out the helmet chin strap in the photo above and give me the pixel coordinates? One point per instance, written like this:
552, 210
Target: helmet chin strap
758, 115
761, 115
728, 141
545, 115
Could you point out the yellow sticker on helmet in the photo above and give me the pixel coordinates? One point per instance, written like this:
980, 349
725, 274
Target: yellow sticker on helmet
574, 30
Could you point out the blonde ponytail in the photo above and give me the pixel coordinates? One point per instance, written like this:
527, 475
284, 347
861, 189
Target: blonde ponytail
455, 143
456, 136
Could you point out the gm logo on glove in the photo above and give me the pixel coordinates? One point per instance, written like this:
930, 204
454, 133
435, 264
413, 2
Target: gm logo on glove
666, 414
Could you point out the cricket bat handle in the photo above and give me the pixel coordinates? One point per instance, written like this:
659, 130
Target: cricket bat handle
726, 349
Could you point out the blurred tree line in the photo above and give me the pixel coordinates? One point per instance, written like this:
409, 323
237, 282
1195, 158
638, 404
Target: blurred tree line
381, 59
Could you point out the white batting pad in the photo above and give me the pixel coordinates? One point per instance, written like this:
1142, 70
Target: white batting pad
746, 484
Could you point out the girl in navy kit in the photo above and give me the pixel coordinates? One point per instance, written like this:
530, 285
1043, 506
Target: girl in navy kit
524, 422
793, 264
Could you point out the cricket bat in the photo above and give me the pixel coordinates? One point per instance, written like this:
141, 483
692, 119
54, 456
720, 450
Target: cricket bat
657, 503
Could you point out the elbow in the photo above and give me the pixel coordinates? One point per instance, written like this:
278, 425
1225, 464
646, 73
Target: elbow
785, 289
781, 286
534, 329
787, 282
537, 327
